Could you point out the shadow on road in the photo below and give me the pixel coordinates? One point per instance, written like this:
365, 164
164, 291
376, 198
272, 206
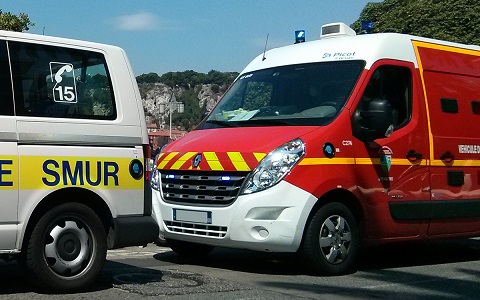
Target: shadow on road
378, 273
13, 279
371, 258
418, 254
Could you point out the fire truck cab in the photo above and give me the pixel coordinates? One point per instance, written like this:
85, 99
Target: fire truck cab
325, 146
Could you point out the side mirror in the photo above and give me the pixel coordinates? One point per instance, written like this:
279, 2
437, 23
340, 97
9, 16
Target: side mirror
375, 122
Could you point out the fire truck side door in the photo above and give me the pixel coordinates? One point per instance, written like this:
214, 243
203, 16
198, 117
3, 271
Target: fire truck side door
392, 172
453, 99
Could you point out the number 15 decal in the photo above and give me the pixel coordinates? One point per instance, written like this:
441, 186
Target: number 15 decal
65, 89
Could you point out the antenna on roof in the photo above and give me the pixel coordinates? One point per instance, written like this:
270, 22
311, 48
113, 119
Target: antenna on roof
265, 49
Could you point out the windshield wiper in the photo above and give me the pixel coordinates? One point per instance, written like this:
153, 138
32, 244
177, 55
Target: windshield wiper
254, 122
270, 122
222, 123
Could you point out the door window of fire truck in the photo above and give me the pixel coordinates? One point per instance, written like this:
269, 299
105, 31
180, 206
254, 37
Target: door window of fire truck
306, 94
394, 84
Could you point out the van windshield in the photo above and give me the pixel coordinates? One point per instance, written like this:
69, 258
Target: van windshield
306, 94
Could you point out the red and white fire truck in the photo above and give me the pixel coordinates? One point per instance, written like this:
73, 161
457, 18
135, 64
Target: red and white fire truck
325, 146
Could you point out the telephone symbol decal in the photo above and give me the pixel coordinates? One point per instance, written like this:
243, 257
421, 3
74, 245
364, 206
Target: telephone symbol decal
65, 89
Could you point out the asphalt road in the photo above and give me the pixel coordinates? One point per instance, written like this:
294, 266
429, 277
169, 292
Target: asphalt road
440, 270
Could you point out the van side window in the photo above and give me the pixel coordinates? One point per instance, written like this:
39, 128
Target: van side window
61, 82
393, 84
6, 96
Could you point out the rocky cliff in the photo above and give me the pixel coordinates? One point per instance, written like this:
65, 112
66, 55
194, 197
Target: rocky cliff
196, 100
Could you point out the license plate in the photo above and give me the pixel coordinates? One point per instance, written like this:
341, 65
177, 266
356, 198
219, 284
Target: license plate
195, 216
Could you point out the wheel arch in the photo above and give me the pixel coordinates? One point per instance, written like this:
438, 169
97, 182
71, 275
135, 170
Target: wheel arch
345, 197
72, 194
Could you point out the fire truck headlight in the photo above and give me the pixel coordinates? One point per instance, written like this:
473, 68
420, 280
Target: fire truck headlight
155, 176
275, 166
155, 180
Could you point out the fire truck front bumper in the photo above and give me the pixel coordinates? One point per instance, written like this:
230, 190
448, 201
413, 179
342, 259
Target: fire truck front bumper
271, 220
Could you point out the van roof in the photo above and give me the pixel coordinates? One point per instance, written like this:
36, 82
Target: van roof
368, 47
36, 38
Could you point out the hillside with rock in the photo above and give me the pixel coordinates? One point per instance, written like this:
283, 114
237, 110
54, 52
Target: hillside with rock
196, 91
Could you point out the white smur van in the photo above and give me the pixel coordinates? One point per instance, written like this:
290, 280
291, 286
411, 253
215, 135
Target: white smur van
74, 158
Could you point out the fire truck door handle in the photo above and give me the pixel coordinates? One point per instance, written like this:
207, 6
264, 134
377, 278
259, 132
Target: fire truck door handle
412, 155
447, 157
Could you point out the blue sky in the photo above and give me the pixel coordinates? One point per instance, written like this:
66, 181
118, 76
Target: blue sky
177, 35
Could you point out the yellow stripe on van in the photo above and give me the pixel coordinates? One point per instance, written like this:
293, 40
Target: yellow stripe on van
238, 161
417, 44
179, 163
259, 156
358, 161
213, 161
167, 159
67, 171
326, 161
395, 162
456, 163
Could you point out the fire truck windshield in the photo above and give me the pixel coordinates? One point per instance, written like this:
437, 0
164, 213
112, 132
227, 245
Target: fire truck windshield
306, 94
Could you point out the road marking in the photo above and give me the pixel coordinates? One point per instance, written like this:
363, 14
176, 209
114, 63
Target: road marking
416, 282
135, 252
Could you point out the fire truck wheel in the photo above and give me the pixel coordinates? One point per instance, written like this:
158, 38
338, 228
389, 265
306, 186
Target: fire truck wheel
67, 248
189, 250
331, 240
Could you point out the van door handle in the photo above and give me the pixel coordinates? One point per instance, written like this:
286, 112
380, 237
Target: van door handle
447, 157
413, 156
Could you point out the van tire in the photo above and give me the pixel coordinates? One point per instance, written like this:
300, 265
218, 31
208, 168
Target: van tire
66, 249
189, 250
331, 240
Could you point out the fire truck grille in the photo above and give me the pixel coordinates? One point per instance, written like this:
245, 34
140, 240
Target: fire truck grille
196, 229
210, 188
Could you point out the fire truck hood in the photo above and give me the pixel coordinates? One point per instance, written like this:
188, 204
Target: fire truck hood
226, 149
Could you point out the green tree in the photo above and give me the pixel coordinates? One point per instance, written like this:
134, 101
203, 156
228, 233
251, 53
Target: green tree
12, 22
451, 20
191, 115
148, 78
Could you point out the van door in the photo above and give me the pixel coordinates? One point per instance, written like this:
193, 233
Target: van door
392, 172
8, 157
451, 77
454, 99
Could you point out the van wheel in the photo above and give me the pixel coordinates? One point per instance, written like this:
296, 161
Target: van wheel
67, 248
189, 250
331, 240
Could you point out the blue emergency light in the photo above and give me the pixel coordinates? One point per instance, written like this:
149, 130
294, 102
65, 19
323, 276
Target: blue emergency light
299, 36
225, 178
367, 26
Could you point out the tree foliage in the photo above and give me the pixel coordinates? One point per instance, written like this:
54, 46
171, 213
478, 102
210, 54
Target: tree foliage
191, 115
451, 20
148, 78
12, 22
189, 79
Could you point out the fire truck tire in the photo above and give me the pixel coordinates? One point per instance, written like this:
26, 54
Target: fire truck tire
67, 248
331, 240
189, 250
